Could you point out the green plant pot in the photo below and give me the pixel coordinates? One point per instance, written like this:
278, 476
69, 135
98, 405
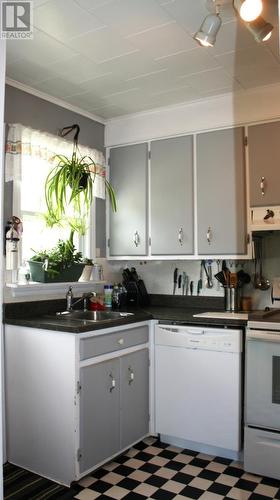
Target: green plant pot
38, 274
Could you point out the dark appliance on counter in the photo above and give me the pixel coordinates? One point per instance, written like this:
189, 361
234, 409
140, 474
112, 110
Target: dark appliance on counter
136, 291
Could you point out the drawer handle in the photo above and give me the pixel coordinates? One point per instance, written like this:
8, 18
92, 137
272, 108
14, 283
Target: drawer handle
121, 341
113, 383
131, 375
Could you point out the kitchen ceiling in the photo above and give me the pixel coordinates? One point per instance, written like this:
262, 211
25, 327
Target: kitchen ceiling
115, 57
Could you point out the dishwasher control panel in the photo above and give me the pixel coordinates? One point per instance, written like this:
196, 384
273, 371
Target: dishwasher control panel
211, 339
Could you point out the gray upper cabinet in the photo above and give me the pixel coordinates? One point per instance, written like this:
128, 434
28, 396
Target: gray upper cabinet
264, 161
172, 196
128, 175
221, 194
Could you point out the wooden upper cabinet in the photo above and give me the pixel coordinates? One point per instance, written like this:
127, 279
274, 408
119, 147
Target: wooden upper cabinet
129, 177
221, 193
172, 196
264, 164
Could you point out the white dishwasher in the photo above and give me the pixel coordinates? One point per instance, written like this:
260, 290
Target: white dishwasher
198, 388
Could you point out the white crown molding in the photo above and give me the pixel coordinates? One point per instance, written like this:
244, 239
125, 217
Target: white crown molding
54, 100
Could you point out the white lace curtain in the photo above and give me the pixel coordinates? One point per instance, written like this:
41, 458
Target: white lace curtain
23, 142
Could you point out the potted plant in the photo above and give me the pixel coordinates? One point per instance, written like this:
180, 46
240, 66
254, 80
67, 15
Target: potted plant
86, 274
69, 195
60, 264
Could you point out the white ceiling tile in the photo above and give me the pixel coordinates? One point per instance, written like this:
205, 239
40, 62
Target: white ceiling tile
258, 55
87, 100
163, 41
182, 94
131, 16
184, 13
255, 76
107, 84
190, 61
102, 45
91, 5
78, 69
42, 50
209, 80
233, 36
29, 72
131, 65
58, 87
108, 111
64, 19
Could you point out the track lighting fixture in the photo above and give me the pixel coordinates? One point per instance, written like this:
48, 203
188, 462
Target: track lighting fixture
260, 29
249, 10
206, 36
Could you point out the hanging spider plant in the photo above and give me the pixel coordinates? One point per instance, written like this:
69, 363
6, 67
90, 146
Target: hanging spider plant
70, 185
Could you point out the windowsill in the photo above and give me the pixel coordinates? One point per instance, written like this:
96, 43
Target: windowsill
31, 288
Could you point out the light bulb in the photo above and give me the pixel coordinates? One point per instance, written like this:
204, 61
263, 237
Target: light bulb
250, 10
267, 37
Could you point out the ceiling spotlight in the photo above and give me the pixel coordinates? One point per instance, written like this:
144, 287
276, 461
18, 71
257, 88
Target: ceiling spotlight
206, 36
248, 10
260, 29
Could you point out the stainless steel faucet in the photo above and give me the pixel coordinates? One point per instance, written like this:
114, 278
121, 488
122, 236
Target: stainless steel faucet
69, 299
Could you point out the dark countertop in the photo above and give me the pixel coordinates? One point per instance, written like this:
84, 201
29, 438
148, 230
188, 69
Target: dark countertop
71, 325
163, 308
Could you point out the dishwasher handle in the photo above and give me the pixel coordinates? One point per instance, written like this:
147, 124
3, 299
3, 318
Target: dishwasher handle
184, 331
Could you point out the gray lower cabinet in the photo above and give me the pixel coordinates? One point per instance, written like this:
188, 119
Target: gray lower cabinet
129, 177
99, 413
172, 196
134, 400
114, 406
221, 194
264, 161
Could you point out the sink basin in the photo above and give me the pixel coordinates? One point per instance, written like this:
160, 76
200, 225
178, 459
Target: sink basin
94, 316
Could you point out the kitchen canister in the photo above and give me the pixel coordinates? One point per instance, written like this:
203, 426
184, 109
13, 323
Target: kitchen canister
232, 299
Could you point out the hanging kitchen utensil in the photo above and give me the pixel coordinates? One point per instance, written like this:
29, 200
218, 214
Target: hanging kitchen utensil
175, 278
199, 283
263, 283
179, 281
184, 282
191, 287
209, 272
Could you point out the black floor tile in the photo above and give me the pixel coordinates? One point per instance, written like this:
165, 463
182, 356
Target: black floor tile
174, 465
244, 484
128, 483
219, 489
151, 468
163, 495
209, 474
156, 481
191, 492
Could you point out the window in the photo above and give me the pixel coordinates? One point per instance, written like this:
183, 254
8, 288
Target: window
28, 162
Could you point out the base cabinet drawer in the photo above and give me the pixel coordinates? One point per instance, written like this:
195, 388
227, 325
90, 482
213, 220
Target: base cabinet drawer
102, 344
262, 452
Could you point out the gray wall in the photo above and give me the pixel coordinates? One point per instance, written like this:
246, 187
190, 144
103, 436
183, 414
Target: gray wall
29, 110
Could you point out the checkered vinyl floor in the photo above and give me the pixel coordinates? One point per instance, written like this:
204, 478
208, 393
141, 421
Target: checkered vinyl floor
152, 469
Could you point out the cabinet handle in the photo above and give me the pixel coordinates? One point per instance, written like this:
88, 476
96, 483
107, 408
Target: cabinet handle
180, 236
121, 341
113, 383
136, 238
209, 235
262, 186
131, 375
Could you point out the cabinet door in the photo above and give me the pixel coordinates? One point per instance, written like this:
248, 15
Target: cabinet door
99, 413
172, 196
134, 397
264, 161
221, 198
128, 175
